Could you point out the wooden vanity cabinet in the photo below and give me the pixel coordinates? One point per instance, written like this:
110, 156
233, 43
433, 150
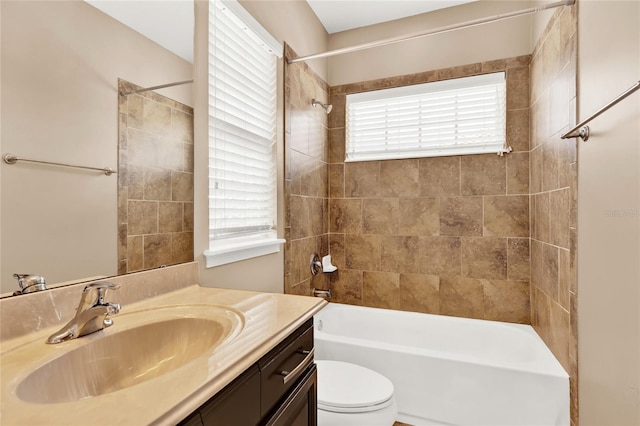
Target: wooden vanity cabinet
279, 390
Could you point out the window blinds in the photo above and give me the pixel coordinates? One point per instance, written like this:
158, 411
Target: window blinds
242, 127
451, 117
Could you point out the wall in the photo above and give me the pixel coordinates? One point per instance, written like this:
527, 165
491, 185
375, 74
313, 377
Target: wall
609, 215
306, 174
303, 31
60, 67
443, 235
553, 169
472, 45
155, 180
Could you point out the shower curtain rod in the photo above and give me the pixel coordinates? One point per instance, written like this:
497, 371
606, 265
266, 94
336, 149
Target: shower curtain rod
162, 86
440, 30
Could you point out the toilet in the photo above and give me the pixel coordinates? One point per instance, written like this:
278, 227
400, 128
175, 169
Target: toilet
350, 395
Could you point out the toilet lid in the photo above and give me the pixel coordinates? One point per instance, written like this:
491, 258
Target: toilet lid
346, 387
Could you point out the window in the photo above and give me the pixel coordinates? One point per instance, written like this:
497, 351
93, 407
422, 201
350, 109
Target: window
242, 135
452, 117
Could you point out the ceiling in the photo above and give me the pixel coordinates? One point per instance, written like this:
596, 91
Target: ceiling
342, 15
170, 23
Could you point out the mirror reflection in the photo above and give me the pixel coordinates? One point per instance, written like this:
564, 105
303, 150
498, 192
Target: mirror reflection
63, 64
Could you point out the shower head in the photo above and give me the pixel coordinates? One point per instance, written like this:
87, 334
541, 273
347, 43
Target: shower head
326, 107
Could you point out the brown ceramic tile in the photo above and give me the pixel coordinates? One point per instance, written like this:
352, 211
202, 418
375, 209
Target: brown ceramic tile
519, 61
182, 247
157, 184
567, 152
170, 217
336, 145
506, 216
346, 286
156, 117
541, 229
440, 256
336, 180
182, 126
143, 217
314, 179
316, 214
142, 148
362, 179
518, 129
483, 175
135, 188
518, 173
300, 217
550, 165
170, 154
484, 257
187, 150
419, 216
302, 289
559, 216
399, 178
400, 254
559, 334
518, 260
135, 253
337, 250
380, 216
134, 111
462, 297
506, 301
535, 183
439, 176
518, 88
494, 66
461, 216
363, 252
187, 215
564, 278
420, 293
157, 250
345, 216
536, 263
381, 289
550, 271
337, 116
181, 186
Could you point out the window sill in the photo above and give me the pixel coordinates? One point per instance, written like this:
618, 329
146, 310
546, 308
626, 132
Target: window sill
242, 251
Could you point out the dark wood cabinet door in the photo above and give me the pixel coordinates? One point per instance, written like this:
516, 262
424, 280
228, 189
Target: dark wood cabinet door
300, 408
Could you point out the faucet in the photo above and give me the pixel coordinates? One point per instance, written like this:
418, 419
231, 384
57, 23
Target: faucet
29, 283
91, 315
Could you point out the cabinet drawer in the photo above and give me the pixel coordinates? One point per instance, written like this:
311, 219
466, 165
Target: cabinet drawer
281, 372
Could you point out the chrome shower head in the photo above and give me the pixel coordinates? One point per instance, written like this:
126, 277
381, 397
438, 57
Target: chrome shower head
326, 107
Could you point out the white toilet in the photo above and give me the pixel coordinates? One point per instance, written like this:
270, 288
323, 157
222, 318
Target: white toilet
350, 395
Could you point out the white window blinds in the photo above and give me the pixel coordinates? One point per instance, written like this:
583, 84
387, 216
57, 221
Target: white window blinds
452, 117
242, 127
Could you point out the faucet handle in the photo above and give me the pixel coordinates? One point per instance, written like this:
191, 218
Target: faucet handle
100, 288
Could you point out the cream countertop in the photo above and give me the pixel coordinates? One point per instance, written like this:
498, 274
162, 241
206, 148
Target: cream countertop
169, 398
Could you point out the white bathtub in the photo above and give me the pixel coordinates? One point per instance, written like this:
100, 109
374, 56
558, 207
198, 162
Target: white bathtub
447, 370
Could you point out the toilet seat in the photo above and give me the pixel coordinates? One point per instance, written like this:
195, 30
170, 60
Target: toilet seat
350, 388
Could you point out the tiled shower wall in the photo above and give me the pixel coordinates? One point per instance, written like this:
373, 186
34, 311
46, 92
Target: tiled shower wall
553, 193
155, 181
443, 235
306, 177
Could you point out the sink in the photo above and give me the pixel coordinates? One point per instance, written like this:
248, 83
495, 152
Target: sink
139, 346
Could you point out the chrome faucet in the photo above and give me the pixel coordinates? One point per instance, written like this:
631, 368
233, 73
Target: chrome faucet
29, 283
91, 315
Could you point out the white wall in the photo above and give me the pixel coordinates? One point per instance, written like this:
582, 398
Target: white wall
291, 21
60, 66
609, 215
497, 40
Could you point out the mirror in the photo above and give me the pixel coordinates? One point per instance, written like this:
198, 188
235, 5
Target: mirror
61, 64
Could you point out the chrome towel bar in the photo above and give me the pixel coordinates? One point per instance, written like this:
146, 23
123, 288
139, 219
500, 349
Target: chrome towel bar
13, 159
581, 130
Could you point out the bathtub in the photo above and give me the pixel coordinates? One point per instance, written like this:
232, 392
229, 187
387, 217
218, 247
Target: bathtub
448, 370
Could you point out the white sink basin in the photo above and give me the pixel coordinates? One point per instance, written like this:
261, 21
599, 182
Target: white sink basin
138, 347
